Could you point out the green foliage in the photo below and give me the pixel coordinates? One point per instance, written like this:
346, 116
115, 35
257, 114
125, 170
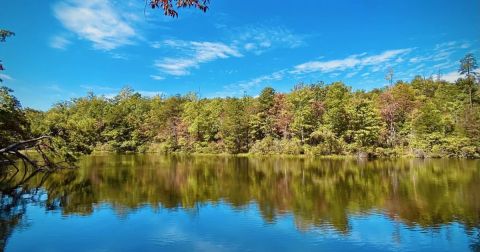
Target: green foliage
427, 120
13, 122
425, 117
328, 142
269, 146
306, 111
263, 118
365, 123
235, 125
336, 100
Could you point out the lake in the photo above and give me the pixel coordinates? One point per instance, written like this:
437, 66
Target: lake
218, 203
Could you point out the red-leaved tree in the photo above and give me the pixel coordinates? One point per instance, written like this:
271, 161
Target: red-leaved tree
168, 6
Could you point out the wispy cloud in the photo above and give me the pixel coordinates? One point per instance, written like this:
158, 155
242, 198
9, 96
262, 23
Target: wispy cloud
365, 68
55, 88
452, 76
141, 92
440, 52
245, 40
334, 68
59, 42
157, 77
240, 87
191, 55
111, 92
6, 77
151, 93
97, 21
258, 39
98, 88
357, 60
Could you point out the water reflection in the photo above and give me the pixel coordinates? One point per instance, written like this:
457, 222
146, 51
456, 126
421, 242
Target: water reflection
318, 194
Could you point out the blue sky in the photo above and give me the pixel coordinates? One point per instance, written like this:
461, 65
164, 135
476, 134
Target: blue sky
64, 49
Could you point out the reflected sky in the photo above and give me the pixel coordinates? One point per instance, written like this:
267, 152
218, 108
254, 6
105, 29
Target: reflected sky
160, 203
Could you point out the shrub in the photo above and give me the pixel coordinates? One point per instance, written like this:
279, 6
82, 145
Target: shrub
469, 152
269, 145
290, 147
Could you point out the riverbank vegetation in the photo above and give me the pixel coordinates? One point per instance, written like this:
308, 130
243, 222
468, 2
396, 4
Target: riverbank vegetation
425, 117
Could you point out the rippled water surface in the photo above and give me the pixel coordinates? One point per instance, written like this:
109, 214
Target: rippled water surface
180, 203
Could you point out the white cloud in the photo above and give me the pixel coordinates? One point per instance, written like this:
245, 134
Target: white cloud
368, 68
189, 55
351, 74
141, 92
119, 56
97, 21
110, 95
6, 77
59, 42
192, 54
157, 77
276, 76
437, 55
451, 76
350, 62
177, 67
150, 93
258, 39
465, 45
111, 92
55, 88
239, 87
442, 57
98, 88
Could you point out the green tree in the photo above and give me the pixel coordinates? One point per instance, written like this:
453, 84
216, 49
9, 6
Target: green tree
202, 119
14, 126
365, 122
468, 67
302, 104
124, 127
336, 117
234, 127
262, 121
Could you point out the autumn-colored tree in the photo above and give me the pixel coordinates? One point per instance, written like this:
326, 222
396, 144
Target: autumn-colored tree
282, 115
168, 6
395, 104
4, 34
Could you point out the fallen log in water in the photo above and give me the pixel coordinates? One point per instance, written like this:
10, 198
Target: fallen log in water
10, 154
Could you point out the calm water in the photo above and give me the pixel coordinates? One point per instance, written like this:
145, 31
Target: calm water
159, 203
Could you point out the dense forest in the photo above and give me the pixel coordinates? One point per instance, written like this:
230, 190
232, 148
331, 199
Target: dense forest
427, 117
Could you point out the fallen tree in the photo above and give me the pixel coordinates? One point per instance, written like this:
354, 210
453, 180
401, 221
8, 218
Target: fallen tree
45, 157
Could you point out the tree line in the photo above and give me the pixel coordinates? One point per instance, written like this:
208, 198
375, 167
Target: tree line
423, 117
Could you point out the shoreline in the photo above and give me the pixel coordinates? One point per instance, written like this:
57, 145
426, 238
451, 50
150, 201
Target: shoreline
301, 156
